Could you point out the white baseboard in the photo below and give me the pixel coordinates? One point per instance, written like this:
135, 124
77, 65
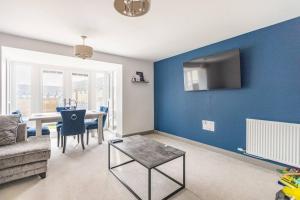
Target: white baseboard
238, 156
137, 133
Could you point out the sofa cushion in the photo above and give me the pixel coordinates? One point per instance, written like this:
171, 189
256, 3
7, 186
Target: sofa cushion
33, 150
8, 129
22, 132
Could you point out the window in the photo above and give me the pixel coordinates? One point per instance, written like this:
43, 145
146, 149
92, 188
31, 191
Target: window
21, 89
80, 87
101, 89
52, 90
37, 88
112, 122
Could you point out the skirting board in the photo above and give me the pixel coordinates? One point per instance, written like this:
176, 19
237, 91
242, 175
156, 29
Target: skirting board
241, 157
138, 133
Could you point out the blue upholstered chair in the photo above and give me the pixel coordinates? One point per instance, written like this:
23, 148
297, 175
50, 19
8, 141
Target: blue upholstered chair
31, 131
90, 125
59, 124
72, 124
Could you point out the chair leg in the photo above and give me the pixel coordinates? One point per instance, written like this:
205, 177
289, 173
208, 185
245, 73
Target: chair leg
87, 137
82, 142
102, 134
58, 136
61, 140
65, 142
78, 139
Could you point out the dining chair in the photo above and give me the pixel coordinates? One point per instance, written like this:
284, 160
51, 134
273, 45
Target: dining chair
90, 125
59, 124
72, 124
31, 131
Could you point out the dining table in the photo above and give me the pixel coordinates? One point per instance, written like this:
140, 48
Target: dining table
51, 117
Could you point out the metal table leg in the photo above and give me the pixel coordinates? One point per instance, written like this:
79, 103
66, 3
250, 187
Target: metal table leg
149, 177
183, 166
149, 184
109, 156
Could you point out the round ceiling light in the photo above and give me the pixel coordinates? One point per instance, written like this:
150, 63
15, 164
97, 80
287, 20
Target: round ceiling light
132, 8
83, 51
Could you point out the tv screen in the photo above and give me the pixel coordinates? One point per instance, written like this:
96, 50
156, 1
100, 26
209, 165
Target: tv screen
219, 71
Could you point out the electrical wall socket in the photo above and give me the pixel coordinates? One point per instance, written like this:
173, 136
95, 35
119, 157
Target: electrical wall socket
208, 125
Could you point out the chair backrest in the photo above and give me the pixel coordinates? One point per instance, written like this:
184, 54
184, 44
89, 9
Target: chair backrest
104, 109
60, 108
16, 112
73, 122
19, 114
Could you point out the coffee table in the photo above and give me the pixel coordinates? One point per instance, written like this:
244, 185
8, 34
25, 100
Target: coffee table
150, 154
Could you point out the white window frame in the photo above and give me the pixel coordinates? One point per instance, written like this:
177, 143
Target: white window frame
37, 84
43, 68
81, 72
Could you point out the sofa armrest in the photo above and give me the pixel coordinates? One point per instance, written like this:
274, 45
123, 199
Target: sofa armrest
21, 132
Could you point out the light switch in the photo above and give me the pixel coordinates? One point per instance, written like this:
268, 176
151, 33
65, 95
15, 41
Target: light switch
208, 125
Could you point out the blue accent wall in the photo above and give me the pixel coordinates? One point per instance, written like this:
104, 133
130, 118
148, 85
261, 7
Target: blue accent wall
270, 65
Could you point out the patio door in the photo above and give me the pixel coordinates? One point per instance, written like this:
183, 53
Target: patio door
112, 122
80, 90
105, 97
52, 90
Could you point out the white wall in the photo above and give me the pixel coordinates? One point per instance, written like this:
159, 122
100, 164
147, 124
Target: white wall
139, 114
137, 101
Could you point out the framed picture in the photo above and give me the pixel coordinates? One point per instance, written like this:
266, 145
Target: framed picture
141, 76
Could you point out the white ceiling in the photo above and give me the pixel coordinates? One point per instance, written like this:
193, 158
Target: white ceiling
171, 27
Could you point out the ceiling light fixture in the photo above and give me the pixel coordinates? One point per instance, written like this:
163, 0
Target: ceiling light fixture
132, 8
83, 51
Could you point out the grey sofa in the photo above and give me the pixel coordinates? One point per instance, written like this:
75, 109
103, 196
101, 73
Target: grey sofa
27, 157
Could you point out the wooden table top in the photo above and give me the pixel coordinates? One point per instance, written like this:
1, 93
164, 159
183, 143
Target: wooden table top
57, 116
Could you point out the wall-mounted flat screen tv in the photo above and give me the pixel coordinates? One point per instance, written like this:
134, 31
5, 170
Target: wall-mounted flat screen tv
219, 71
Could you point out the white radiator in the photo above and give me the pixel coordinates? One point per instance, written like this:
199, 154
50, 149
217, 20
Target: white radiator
277, 141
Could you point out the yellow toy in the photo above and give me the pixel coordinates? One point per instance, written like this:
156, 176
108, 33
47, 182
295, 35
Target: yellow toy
291, 182
291, 193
